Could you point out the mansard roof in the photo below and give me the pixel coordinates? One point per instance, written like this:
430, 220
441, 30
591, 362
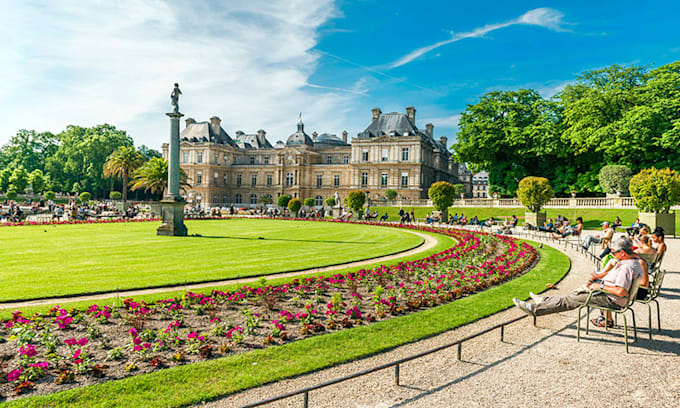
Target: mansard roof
252, 141
329, 139
299, 137
392, 124
206, 132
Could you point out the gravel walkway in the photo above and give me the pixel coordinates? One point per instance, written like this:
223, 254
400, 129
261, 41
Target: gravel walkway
428, 243
542, 366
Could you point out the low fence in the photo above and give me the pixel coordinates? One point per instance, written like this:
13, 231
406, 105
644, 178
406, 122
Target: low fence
574, 202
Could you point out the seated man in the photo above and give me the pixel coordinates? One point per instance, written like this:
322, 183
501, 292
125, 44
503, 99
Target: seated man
384, 217
613, 289
567, 230
605, 237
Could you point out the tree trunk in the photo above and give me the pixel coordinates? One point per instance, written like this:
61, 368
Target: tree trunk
125, 183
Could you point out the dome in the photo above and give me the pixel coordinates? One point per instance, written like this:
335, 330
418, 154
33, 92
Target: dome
299, 137
330, 139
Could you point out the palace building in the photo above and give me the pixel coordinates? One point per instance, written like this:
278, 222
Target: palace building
391, 153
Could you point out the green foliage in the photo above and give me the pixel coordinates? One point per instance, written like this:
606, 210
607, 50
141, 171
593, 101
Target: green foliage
283, 200
356, 200
122, 163
49, 195
655, 190
309, 202
148, 153
534, 192
330, 201
5, 174
19, 179
84, 197
28, 149
458, 189
153, 177
266, 199
115, 195
11, 194
442, 194
615, 178
37, 180
390, 194
294, 205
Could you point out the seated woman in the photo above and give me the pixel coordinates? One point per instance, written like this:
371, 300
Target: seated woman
617, 223
548, 226
570, 229
660, 244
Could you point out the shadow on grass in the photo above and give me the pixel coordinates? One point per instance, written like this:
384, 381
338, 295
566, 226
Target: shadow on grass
283, 239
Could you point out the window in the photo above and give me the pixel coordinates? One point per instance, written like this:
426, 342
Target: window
404, 178
269, 180
318, 200
345, 159
225, 179
364, 179
216, 177
214, 199
199, 158
404, 154
217, 159
185, 157
364, 155
238, 179
252, 159
199, 177
253, 180
225, 199
336, 180
289, 179
238, 198
319, 179
383, 178
253, 199
384, 154
266, 159
225, 160
329, 159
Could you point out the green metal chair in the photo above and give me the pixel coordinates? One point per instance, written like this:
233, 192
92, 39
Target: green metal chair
630, 299
652, 294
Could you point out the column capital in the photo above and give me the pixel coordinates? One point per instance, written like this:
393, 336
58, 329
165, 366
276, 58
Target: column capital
175, 115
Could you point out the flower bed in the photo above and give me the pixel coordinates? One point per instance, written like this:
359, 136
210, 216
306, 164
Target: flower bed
109, 221
69, 348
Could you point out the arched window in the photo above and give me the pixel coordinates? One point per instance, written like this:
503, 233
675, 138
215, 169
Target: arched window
318, 200
238, 199
253, 199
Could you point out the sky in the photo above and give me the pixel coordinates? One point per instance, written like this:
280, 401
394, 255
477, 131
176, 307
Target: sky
259, 64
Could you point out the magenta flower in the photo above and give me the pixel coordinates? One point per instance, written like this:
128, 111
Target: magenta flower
28, 350
14, 375
137, 348
133, 332
70, 342
82, 341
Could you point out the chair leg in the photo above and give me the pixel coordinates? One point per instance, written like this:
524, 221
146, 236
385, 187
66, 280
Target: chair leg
578, 325
587, 319
625, 332
649, 319
634, 325
658, 316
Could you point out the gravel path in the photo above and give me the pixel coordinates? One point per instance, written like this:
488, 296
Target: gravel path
542, 366
428, 243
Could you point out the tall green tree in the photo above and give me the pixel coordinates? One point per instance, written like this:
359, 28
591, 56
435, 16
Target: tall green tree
19, 179
28, 149
122, 163
5, 174
37, 180
153, 177
148, 153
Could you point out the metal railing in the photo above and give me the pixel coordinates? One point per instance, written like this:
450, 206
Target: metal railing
396, 364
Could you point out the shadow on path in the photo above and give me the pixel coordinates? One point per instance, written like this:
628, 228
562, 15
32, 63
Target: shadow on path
286, 240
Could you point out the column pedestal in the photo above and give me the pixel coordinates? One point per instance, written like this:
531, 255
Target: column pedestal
172, 211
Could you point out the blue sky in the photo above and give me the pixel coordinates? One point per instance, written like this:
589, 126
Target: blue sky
257, 64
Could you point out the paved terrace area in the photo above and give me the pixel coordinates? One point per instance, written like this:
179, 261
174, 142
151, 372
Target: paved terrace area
536, 366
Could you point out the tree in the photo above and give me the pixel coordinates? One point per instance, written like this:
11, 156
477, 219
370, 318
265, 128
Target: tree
19, 179
37, 180
148, 153
283, 200
81, 156
115, 195
656, 190
49, 195
330, 201
122, 163
266, 199
309, 202
294, 205
615, 178
11, 194
5, 174
390, 194
153, 177
458, 189
84, 197
534, 192
356, 200
442, 194
28, 149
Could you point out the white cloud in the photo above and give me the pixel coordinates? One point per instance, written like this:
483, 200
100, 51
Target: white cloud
544, 17
85, 63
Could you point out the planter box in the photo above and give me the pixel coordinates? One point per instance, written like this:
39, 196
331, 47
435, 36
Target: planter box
666, 221
535, 219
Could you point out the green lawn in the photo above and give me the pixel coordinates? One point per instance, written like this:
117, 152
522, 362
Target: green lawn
191, 384
45, 261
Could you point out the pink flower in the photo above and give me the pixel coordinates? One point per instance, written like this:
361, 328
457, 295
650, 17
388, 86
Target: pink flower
77, 353
133, 332
14, 375
70, 342
42, 365
28, 350
147, 345
192, 335
215, 320
137, 348
137, 341
82, 342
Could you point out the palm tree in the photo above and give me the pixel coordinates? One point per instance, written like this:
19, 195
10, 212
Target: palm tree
122, 163
153, 176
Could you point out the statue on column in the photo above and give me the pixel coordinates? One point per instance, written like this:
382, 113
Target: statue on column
337, 200
174, 98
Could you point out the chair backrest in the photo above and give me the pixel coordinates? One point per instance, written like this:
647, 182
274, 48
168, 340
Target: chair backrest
657, 262
632, 292
655, 285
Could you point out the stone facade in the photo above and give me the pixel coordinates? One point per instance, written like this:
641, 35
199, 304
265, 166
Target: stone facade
480, 185
392, 153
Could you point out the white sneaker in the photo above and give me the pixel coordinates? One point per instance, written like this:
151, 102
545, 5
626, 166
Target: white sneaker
537, 299
527, 308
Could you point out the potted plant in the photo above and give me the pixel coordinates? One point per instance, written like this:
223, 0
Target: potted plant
294, 206
534, 193
614, 180
355, 201
442, 194
655, 191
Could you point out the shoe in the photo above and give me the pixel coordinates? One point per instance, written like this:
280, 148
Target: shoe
600, 322
537, 299
527, 308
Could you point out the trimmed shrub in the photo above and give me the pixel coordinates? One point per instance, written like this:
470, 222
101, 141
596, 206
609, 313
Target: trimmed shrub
11, 194
390, 194
283, 200
294, 205
309, 202
534, 192
442, 194
655, 190
84, 197
615, 178
356, 200
330, 201
50, 195
115, 195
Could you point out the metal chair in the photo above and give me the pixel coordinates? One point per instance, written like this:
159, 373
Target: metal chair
652, 294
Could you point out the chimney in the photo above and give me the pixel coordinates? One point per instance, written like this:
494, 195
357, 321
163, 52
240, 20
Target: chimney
215, 125
314, 135
430, 129
444, 140
344, 136
376, 113
189, 121
261, 137
411, 113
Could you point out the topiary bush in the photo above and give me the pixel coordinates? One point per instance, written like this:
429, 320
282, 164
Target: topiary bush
390, 194
442, 194
330, 201
84, 197
11, 194
50, 195
294, 205
534, 192
655, 191
115, 195
615, 178
309, 202
356, 200
283, 200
